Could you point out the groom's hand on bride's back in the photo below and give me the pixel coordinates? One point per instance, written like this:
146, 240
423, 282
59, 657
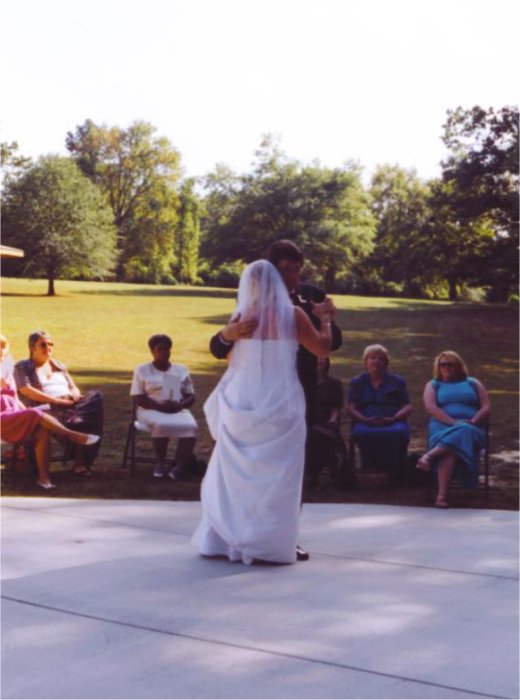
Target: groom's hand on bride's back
237, 329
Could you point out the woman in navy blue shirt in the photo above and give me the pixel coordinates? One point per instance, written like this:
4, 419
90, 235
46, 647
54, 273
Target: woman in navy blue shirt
379, 404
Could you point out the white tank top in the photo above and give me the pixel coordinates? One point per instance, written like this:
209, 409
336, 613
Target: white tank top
56, 386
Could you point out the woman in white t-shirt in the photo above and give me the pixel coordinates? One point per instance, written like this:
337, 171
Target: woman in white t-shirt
163, 392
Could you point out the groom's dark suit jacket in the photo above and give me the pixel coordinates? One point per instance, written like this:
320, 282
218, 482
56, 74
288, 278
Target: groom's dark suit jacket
306, 361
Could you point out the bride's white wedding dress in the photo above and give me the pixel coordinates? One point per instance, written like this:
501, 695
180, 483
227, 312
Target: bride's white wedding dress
252, 488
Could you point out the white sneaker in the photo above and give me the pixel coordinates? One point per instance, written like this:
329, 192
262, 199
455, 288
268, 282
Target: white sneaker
158, 472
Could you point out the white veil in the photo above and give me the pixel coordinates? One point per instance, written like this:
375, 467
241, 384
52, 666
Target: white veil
262, 295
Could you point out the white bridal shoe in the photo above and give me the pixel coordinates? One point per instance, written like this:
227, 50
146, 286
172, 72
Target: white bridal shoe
92, 439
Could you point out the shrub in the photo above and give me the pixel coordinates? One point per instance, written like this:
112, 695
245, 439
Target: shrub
227, 275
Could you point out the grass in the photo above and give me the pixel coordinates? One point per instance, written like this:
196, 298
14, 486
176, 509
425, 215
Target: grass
101, 330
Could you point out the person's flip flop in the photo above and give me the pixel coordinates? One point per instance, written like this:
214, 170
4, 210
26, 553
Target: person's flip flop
423, 464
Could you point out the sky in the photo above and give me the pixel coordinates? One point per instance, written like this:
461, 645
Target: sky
336, 80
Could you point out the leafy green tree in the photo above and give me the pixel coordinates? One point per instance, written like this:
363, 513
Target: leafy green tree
481, 177
455, 247
326, 211
462, 229
61, 220
400, 205
222, 187
188, 235
136, 170
148, 255
11, 162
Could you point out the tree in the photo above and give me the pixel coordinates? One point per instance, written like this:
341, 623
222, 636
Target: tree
400, 205
481, 176
149, 255
462, 229
188, 236
455, 247
11, 162
130, 166
61, 220
326, 211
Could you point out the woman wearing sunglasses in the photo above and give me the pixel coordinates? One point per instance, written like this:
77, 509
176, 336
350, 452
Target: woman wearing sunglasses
19, 424
458, 407
43, 380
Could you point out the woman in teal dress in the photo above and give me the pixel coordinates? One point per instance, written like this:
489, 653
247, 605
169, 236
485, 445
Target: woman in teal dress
458, 407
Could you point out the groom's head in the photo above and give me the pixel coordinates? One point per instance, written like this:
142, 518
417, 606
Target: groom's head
288, 260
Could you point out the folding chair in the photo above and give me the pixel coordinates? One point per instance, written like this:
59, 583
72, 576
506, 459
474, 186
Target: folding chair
483, 461
484, 457
136, 429
28, 446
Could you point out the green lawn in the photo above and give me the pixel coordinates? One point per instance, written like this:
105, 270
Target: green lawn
101, 330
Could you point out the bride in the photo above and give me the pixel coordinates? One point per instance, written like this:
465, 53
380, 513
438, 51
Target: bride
252, 488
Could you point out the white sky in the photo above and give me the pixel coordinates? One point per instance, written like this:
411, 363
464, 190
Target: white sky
368, 80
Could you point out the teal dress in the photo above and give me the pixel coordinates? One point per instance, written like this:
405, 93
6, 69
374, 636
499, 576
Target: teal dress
460, 400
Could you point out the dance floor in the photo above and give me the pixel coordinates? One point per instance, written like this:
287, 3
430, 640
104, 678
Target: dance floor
108, 599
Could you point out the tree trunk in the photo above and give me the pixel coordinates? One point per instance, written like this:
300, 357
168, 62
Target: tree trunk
452, 281
329, 279
50, 289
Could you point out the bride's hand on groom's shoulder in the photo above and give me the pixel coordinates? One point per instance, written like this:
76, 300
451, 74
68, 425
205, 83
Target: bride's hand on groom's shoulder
237, 329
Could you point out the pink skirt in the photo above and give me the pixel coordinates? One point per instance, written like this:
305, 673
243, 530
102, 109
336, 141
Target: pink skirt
17, 424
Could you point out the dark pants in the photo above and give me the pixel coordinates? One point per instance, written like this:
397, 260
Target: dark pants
383, 448
325, 448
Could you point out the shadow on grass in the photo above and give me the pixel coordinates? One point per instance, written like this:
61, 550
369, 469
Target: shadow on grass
29, 296
219, 321
173, 292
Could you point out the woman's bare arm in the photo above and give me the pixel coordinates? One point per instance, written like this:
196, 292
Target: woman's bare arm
317, 342
36, 395
483, 412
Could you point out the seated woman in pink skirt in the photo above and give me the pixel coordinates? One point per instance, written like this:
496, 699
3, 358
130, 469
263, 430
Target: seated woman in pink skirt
21, 424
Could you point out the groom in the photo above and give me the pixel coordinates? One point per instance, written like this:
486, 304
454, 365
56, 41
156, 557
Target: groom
288, 260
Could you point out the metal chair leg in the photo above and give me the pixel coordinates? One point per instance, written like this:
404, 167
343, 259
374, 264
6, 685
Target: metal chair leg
486, 477
14, 458
486, 458
132, 449
127, 445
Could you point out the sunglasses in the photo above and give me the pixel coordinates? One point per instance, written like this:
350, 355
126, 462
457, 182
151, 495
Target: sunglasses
46, 345
446, 364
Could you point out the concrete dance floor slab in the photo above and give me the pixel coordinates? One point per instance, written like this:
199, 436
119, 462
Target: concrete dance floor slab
108, 599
